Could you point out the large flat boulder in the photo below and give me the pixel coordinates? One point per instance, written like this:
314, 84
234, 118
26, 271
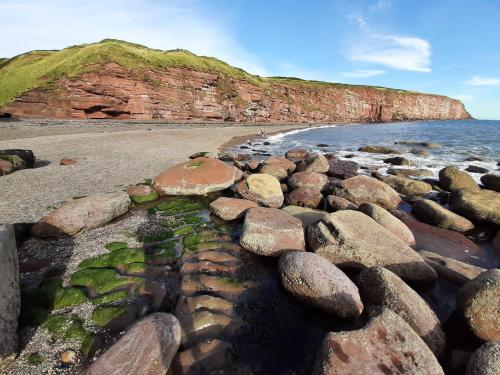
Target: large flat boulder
231, 208
308, 216
83, 213
362, 189
263, 189
452, 178
433, 213
407, 186
271, 232
311, 180
284, 163
480, 206
352, 239
196, 177
451, 269
387, 345
306, 197
342, 168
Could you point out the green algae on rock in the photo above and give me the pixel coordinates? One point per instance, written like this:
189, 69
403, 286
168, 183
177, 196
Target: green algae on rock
35, 359
116, 245
118, 296
145, 198
102, 280
103, 315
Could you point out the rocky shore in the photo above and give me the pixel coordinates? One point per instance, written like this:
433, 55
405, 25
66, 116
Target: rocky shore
244, 263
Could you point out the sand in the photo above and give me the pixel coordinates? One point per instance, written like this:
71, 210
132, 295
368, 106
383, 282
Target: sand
110, 156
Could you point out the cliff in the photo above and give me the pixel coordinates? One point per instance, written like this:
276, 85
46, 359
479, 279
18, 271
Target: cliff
120, 80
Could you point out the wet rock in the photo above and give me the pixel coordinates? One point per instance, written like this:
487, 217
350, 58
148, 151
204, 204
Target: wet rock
197, 322
9, 294
274, 170
297, 154
337, 204
410, 172
378, 150
451, 178
142, 193
227, 156
361, 189
189, 305
83, 213
226, 287
315, 281
387, 345
271, 232
317, 163
203, 154
207, 267
215, 256
67, 161
433, 213
381, 287
306, 197
342, 169
407, 186
491, 181
284, 163
148, 347
263, 189
479, 206
389, 222
476, 169
231, 208
419, 152
399, 160
451, 269
308, 216
478, 300
203, 358
322, 145
351, 239
308, 180
485, 360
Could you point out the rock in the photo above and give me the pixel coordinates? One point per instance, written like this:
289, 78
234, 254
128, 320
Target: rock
238, 175
83, 213
476, 169
297, 154
308, 216
337, 204
196, 177
67, 161
284, 163
203, 154
271, 232
148, 347
306, 197
27, 156
407, 186
451, 269
308, 180
6, 167
231, 208
68, 357
479, 206
361, 189
451, 178
420, 144
433, 213
243, 157
389, 222
342, 169
352, 239
263, 189
9, 294
485, 360
381, 287
142, 193
399, 160
227, 156
317, 163
253, 165
410, 172
274, 170
491, 181
205, 357
419, 152
478, 300
387, 345
315, 281
378, 150
322, 145
496, 248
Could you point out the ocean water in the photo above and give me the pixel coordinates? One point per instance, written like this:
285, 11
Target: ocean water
459, 141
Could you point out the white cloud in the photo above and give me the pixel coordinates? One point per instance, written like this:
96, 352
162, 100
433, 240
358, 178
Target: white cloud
382, 5
484, 81
358, 19
55, 24
363, 73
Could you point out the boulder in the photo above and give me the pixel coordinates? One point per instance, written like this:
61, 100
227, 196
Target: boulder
478, 300
399, 160
26, 156
389, 222
451, 269
342, 168
407, 186
476, 169
351, 239
263, 189
485, 360
6, 167
238, 175
9, 294
297, 154
274, 170
491, 181
419, 144
231, 208
479, 206
315, 281
271, 232
361, 189
308, 216
410, 172
378, 150
308, 179
196, 177
148, 347
243, 157
381, 287
433, 213
227, 156
284, 163
387, 345
306, 197
337, 204
83, 213
253, 165
452, 178
317, 163
142, 193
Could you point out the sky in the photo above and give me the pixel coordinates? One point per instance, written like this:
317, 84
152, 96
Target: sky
448, 47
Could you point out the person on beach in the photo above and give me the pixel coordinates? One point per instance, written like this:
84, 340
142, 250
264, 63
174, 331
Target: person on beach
262, 133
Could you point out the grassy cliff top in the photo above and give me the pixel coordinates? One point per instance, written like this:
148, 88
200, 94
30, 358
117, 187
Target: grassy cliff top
38, 69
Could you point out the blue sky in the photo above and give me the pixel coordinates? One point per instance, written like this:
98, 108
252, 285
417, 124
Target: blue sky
442, 46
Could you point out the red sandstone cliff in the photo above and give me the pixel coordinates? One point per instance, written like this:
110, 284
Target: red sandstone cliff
185, 94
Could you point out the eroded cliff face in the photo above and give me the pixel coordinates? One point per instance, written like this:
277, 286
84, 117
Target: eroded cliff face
112, 91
